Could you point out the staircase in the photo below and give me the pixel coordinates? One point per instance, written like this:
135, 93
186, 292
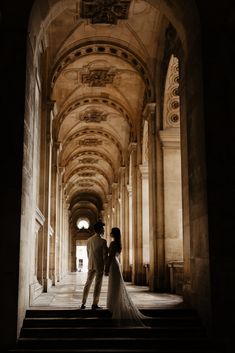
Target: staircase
168, 331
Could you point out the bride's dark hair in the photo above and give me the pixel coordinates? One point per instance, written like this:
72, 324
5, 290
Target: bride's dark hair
117, 238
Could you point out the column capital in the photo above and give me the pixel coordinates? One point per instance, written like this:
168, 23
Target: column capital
170, 138
149, 109
52, 106
132, 147
109, 197
114, 186
122, 169
61, 170
57, 145
129, 189
144, 170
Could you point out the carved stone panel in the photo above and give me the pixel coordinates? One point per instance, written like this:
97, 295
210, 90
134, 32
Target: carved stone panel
98, 77
93, 116
90, 142
105, 11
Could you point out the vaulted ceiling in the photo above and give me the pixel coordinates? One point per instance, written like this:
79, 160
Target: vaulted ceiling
101, 57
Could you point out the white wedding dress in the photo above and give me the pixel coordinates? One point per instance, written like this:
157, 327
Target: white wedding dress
123, 310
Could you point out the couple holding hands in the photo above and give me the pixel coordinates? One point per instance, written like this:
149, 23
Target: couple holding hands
102, 259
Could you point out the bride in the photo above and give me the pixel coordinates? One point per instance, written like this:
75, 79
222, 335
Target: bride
119, 302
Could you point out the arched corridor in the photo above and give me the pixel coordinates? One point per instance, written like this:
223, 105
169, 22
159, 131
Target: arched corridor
113, 118
108, 111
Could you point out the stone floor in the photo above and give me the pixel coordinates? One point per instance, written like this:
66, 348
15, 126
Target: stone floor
68, 295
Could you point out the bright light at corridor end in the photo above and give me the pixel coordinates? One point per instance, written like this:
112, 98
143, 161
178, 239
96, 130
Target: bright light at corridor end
83, 223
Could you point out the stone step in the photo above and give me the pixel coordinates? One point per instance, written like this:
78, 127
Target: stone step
117, 342
106, 313
114, 350
88, 331
107, 322
184, 331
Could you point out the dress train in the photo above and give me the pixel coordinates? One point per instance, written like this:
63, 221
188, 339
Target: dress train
123, 310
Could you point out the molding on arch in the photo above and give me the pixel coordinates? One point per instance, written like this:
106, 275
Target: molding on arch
84, 132
75, 104
89, 153
98, 46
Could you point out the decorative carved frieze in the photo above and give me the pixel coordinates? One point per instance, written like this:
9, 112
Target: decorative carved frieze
93, 116
98, 77
105, 11
90, 142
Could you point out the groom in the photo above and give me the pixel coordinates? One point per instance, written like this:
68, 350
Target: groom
97, 252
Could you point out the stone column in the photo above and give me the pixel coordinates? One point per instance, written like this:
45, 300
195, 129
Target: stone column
54, 209
59, 225
114, 205
125, 224
140, 270
105, 218
46, 193
36, 287
156, 241
134, 246
173, 233
129, 241
144, 171
109, 217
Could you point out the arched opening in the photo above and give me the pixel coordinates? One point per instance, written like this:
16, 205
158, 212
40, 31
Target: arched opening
83, 223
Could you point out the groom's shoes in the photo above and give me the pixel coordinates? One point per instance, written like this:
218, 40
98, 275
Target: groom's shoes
83, 306
96, 307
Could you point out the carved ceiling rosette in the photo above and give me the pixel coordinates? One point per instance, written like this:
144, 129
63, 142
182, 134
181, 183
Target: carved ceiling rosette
105, 11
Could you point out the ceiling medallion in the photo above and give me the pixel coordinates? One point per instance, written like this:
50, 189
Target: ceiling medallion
93, 116
98, 77
105, 11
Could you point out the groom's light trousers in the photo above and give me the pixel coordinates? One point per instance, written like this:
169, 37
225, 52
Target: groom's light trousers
97, 288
